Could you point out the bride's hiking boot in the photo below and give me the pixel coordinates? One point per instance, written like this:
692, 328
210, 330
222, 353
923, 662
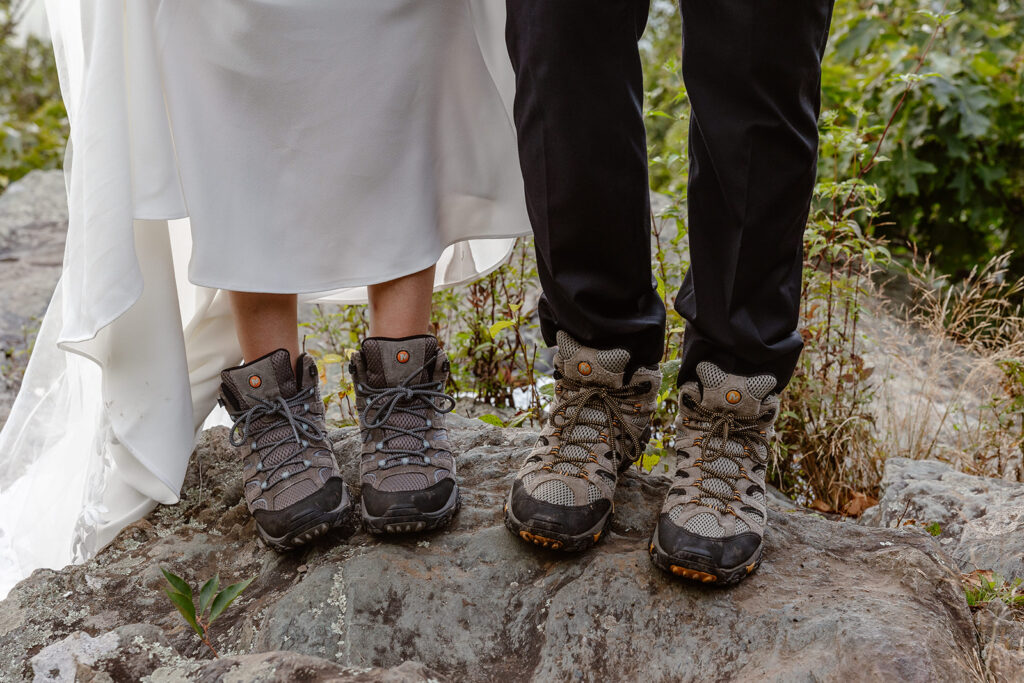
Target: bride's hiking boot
407, 464
599, 424
711, 527
293, 487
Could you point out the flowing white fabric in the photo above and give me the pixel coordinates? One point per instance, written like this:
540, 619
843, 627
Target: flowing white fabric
215, 142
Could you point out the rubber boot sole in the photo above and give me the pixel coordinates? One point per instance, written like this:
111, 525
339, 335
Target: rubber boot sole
552, 540
343, 520
699, 570
409, 520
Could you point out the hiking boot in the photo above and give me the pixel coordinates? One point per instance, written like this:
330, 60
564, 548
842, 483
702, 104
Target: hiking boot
599, 424
407, 467
292, 484
712, 524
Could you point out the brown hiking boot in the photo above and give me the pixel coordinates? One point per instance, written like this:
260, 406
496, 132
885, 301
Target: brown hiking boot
599, 424
712, 524
407, 466
292, 484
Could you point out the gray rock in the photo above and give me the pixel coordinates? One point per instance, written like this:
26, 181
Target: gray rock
981, 520
33, 227
127, 653
289, 666
832, 600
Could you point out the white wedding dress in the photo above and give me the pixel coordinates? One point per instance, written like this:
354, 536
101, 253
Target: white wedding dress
306, 146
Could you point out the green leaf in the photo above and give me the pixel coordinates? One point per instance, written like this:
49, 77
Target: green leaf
669, 373
499, 326
492, 420
178, 583
906, 168
207, 592
227, 596
187, 609
518, 420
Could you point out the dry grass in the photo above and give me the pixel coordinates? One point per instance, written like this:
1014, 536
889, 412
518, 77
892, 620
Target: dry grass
950, 380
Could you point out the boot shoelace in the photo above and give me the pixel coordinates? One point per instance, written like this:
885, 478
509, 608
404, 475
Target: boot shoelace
607, 401
291, 411
408, 399
724, 426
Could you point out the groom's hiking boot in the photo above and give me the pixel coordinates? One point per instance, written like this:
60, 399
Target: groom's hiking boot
407, 466
599, 424
293, 487
712, 524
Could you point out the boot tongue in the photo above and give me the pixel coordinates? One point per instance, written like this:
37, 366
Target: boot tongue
590, 366
741, 396
268, 378
390, 362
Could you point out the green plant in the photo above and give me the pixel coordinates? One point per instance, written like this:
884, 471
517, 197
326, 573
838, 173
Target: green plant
954, 185
983, 586
33, 121
489, 331
332, 336
496, 421
212, 602
825, 455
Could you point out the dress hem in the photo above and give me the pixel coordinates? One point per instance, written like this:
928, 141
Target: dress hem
348, 283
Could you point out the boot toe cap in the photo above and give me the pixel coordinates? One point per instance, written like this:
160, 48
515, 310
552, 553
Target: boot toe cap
422, 501
720, 553
328, 500
560, 519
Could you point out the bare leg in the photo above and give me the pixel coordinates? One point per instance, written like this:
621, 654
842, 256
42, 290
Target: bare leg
265, 323
401, 308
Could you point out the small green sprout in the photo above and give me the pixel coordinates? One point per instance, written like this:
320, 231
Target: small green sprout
982, 586
211, 602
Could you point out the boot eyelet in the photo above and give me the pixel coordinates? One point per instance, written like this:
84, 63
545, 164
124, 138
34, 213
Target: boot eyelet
379, 447
426, 459
305, 444
405, 461
307, 463
381, 463
426, 444
263, 486
429, 424
259, 467
285, 475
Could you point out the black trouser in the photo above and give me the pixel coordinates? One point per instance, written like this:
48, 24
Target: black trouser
752, 71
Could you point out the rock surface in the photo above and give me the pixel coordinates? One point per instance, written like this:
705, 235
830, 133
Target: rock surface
1002, 636
980, 520
832, 601
33, 225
